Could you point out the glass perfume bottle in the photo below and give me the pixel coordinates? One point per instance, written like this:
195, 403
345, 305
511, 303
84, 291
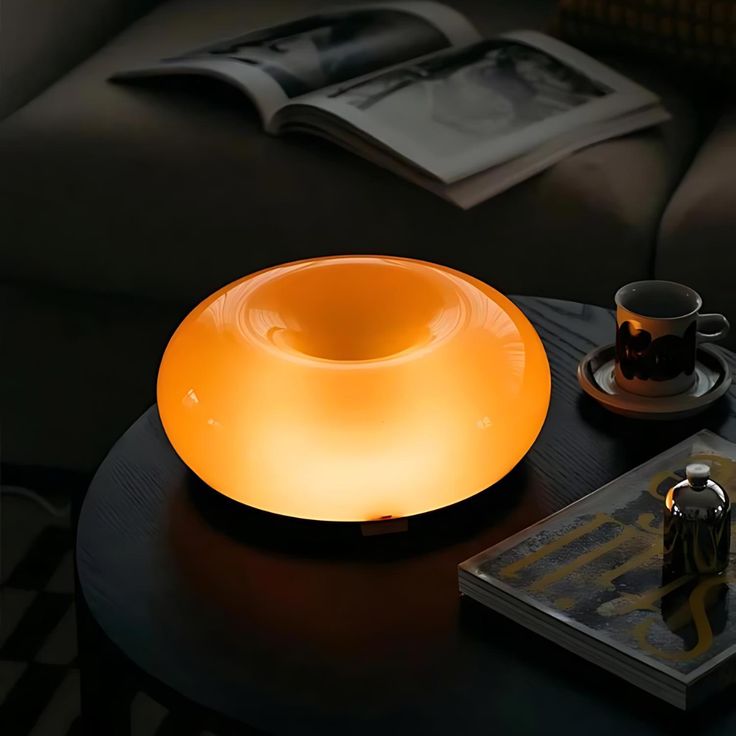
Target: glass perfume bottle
697, 525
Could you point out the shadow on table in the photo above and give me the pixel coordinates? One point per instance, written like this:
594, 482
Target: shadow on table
588, 691
647, 438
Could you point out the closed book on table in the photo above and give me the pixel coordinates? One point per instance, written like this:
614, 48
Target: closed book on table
590, 578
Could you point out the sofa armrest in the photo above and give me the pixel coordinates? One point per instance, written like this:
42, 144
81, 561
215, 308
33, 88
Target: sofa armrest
696, 241
42, 39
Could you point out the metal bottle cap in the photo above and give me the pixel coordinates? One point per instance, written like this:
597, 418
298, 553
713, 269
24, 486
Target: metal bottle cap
697, 473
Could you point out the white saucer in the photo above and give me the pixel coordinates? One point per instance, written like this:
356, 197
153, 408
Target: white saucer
712, 380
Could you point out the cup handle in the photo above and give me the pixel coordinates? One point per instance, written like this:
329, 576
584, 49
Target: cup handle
716, 324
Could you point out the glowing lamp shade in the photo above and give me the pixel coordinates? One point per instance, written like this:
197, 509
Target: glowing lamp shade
353, 388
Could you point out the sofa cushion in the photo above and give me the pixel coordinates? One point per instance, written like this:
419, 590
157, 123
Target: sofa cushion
80, 368
698, 241
168, 189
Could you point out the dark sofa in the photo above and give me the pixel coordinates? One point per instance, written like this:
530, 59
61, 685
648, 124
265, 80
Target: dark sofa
124, 205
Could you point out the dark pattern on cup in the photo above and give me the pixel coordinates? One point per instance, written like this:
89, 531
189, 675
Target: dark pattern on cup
658, 329
661, 359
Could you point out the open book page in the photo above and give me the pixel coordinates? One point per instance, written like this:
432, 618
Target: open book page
281, 63
459, 112
477, 188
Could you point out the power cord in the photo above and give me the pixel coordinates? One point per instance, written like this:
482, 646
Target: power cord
59, 512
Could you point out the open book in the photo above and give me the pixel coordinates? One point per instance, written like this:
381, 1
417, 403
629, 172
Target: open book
413, 87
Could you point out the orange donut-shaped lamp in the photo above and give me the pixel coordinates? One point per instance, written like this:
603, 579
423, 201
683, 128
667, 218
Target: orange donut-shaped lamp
353, 388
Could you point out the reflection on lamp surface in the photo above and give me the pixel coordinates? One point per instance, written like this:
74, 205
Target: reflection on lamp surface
353, 388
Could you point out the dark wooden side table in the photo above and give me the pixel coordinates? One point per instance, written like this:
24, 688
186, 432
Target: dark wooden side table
248, 623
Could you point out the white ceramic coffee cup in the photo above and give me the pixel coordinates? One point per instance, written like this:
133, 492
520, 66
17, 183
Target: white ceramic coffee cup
658, 329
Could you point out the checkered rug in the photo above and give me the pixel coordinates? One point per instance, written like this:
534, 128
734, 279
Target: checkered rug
39, 677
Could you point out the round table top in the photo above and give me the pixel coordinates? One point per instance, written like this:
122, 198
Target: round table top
307, 627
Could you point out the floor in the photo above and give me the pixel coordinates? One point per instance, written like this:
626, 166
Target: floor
39, 678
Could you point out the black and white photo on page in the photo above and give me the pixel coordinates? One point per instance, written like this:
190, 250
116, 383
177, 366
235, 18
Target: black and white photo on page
492, 87
324, 49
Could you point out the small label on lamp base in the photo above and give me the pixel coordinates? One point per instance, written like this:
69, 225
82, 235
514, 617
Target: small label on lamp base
384, 526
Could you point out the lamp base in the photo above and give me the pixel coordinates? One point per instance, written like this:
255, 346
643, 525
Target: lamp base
384, 526
355, 540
